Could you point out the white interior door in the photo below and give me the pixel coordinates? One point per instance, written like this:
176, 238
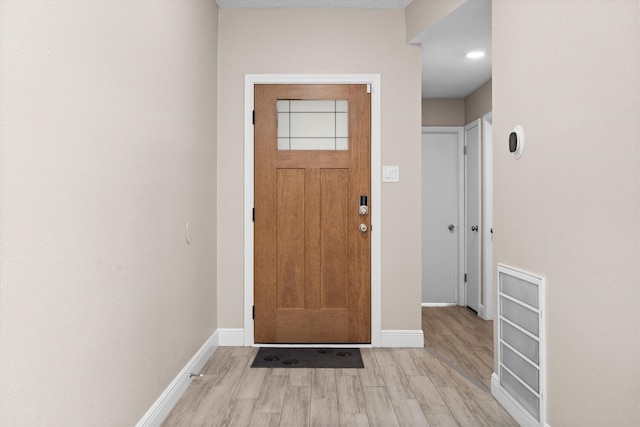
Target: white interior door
473, 223
441, 213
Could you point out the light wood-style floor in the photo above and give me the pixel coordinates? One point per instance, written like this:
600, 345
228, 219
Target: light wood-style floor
461, 339
397, 387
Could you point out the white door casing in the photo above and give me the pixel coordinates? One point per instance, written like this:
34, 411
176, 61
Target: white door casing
375, 206
488, 268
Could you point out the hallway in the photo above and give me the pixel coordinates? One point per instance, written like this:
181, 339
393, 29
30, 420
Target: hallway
398, 387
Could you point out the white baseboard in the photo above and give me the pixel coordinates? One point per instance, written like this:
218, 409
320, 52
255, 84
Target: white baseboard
510, 405
481, 312
389, 338
438, 304
167, 400
401, 338
231, 337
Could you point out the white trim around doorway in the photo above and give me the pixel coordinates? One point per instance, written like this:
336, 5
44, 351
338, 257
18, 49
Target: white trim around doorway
376, 248
488, 266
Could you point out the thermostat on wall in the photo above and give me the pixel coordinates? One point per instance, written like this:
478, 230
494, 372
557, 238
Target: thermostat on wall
516, 142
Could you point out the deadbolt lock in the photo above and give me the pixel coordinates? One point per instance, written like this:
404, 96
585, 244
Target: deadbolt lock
364, 206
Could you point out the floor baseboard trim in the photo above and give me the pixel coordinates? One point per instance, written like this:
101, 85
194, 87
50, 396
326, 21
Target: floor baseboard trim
231, 337
389, 338
439, 304
510, 405
481, 312
167, 400
402, 338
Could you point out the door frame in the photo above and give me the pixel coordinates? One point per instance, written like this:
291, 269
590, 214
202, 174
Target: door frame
376, 191
459, 132
488, 266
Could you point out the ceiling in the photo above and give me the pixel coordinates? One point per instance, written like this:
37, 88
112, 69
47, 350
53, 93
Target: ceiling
446, 72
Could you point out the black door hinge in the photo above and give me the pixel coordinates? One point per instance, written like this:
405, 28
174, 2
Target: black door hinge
253, 214
465, 277
253, 118
253, 314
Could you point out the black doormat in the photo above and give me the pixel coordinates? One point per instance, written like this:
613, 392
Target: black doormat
274, 357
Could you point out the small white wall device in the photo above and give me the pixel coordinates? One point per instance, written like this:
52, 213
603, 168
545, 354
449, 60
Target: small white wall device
516, 142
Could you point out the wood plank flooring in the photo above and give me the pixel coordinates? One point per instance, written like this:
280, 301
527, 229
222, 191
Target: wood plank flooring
397, 387
461, 339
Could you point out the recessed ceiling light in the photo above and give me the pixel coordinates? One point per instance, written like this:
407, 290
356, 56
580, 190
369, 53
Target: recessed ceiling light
475, 54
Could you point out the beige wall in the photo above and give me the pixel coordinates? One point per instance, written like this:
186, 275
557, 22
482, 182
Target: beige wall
478, 103
422, 14
443, 112
457, 111
568, 209
332, 42
107, 149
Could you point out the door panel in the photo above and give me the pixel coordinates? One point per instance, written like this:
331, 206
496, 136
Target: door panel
441, 187
334, 248
312, 264
290, 237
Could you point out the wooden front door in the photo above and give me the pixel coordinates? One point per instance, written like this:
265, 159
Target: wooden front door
312, 244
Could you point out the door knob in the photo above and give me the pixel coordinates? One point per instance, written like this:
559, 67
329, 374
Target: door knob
451, 227
474, 228
363, 228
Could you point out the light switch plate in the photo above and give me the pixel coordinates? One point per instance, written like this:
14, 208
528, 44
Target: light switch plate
390, 173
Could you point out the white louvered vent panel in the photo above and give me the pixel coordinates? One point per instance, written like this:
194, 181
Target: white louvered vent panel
521, 335
526, 398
